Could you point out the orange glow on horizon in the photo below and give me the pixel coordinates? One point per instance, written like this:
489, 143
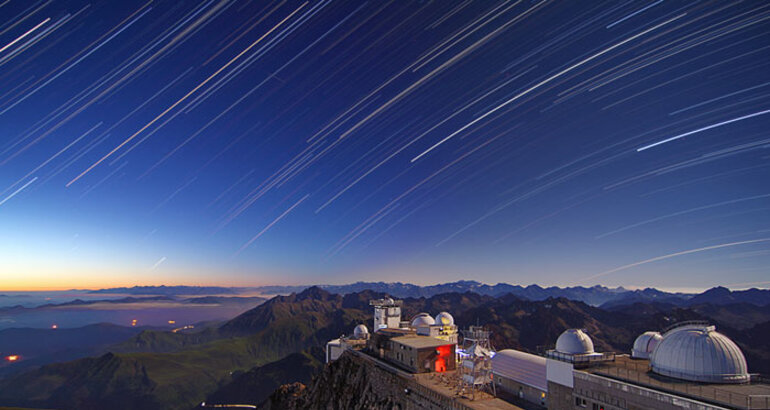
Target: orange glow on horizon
12, 358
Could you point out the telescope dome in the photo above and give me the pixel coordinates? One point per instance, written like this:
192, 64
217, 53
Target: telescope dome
423, 319
574, 341
645, 344
699, 354
444, 318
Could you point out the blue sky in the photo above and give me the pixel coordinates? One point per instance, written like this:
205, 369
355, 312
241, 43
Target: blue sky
235, 142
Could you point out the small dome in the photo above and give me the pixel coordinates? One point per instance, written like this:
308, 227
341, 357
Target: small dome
422, 319
699, 354
390, 302
645, 344
444, 318
574, 341
360, 332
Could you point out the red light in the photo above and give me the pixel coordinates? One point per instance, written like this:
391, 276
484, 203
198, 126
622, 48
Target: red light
12, 358
54, 326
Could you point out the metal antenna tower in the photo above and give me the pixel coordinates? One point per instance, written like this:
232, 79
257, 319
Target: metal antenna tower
476, 363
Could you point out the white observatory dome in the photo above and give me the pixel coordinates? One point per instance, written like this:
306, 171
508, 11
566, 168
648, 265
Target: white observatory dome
360, 332
574, 341
422, 319
444, 318
390, 301
645, 344
699, 354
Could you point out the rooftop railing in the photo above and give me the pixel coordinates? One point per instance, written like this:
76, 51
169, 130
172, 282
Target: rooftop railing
639, 373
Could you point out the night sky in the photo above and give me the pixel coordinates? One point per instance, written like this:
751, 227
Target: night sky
253, 142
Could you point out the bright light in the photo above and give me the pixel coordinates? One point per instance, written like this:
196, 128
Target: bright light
54, 326
12, 358
171, 322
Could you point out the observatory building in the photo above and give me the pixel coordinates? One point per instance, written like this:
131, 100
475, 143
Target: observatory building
422, 345
690, 365
699, 354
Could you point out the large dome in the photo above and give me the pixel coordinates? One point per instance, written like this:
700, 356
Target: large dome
699, 354
444, 318
645, 344
574, 341
422, 319
360, 331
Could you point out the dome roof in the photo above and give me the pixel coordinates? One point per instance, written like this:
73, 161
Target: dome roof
444, 318
360, 331
645, 344
699, 354
574, 341
423, 319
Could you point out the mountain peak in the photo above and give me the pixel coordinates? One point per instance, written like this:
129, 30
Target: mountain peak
314, 292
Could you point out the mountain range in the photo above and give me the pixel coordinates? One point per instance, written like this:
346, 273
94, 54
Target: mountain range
278, 342
595, 295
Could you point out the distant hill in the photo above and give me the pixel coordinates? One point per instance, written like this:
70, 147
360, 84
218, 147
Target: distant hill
723, 296
169, 290
42, 346
190, 366
594, 295
257, 384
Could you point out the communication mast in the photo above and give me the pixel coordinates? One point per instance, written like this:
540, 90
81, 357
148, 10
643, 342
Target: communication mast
476, 365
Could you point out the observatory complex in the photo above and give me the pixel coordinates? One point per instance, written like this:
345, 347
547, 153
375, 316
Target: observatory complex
689, 365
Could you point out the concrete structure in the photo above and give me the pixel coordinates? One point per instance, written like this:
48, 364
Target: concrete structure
333, 350
335, 347
419, 354
387, 313
645, 344
521, 375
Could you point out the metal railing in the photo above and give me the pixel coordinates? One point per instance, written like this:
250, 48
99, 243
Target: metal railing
638, 373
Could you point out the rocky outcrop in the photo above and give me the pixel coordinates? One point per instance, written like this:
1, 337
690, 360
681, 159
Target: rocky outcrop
355, 381
347, 383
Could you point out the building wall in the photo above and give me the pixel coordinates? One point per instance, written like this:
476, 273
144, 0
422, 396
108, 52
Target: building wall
418, 360
613, 394
560, 397
522, 391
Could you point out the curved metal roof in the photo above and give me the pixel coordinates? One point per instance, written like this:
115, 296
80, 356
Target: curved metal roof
524, 368
699, 354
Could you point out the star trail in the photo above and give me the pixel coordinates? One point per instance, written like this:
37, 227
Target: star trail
241, 142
